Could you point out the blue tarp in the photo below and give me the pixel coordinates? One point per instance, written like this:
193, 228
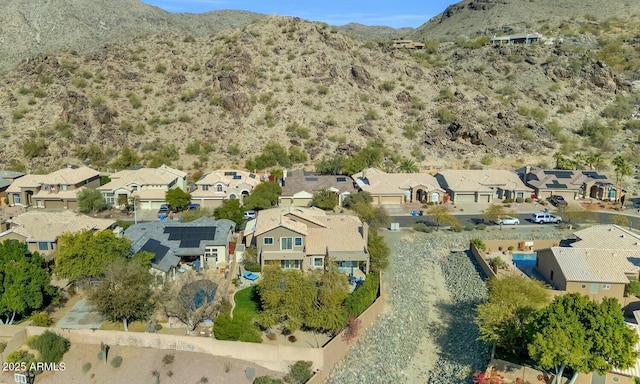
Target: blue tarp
250, 276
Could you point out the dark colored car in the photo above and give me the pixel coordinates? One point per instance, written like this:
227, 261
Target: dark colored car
558, 201
193, 207
164, 211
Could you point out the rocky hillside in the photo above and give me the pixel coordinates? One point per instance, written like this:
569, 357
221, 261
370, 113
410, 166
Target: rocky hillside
479, 17
203, 102
28, 27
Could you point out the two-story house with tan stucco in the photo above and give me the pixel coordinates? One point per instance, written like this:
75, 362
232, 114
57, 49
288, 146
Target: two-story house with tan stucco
307, 238
57, 189
215, 187
148, 185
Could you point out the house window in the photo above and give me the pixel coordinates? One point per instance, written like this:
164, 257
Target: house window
606, 287
211, 253
290, 264
63, 187
318, 262
43, 246
298, 241
16, 198
268, 241
286, 243
219, 188
205, 187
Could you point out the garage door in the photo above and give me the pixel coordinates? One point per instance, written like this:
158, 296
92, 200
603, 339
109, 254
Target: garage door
390, 200
152, 204
465, 197
484, 198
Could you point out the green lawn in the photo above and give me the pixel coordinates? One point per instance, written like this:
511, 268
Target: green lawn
247, 301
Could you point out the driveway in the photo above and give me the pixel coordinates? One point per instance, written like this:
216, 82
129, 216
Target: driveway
81, 316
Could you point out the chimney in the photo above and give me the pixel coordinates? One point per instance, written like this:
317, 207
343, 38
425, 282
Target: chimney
365, 232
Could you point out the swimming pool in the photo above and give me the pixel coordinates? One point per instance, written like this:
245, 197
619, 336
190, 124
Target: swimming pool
524, 259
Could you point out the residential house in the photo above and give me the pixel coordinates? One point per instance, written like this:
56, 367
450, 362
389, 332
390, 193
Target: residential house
595, 272
215, 187
148, 185
57, 189
202, 243
606, 236
482, 186
298, 187
307, 238
567, 183
521, 38
6, 178
40, 229
406, 43
399, 188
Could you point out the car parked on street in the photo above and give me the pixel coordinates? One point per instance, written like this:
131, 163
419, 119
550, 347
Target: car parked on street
248, 215
545, 218
558, 201
164, 211
507, 220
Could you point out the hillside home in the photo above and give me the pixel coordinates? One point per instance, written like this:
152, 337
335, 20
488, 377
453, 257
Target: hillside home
399, 188
148, 185
215, 187
521, 38
6, 178
55, 190
200, 244
567, 183
40, 229
482, 186
298, 187
406, 43
595, 272
607, 236
307, 238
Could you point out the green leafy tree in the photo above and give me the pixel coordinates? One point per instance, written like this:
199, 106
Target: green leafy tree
332, 287
493, 212
91, 200
583, 335
325, 199
504, 320
24, 281
378, 251
240, 327
354, 198
87, 253
125, 293
184, 300
264, 195
330, 166
177, 198
231, 210
441, 215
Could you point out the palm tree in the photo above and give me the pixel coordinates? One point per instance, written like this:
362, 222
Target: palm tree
560, 160
578, 160
595, 160
408, 166
622, 169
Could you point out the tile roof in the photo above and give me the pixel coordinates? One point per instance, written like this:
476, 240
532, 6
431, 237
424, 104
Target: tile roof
481, 180
297, 181
47, 226
229, 178
607, 236
10, 174
334, 232
597, 265
64, 176
378, 182
141, 177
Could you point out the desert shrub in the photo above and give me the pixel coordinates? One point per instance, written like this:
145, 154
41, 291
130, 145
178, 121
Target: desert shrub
387, 85
18, 114
299, 373
161, 68
86, 367
79, 82
410, 130
507, 201
371, 114
267, 380
20, 356
528, 200
184, 118
481, 227
34, 148
469, 227
421, 227
116, 362
51, 346
41, 319
44, 79
252, 267
134, 100
444, 115
445, 94
519, 200
479, 244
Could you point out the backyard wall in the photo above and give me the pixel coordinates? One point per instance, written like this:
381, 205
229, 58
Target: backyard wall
482, 261
493, 245
14, 335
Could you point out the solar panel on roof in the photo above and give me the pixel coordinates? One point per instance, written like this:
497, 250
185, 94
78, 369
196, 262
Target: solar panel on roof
237, 177
252, 175
341, 179
594, 175
311, 179
560, 174
230, 173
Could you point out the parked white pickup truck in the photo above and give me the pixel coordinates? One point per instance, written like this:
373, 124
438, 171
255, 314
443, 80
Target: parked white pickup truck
545, 217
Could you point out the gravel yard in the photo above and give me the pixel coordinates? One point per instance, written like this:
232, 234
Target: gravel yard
427, 335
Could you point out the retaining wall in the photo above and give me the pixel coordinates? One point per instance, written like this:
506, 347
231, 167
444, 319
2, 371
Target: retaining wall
482, 261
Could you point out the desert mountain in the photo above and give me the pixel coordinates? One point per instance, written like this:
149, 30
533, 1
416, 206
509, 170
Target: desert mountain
480, 17
30, 27
203, 101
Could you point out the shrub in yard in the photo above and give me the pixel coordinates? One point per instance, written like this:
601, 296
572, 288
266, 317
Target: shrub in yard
519, 200
479, 244
86, 367
469, 227
421, 227
360, 299
252, 267
20, 356
528, 200
481, 227
51, 346
456, 227
267, 380
299, 373
41, 319
116, 362
168, 358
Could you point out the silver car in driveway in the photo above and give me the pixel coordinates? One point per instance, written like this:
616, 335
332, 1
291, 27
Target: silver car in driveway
507, 220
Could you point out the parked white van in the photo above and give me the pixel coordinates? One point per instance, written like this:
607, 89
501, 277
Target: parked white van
545, 217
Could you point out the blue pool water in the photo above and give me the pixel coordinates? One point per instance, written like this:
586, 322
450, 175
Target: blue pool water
524, 259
